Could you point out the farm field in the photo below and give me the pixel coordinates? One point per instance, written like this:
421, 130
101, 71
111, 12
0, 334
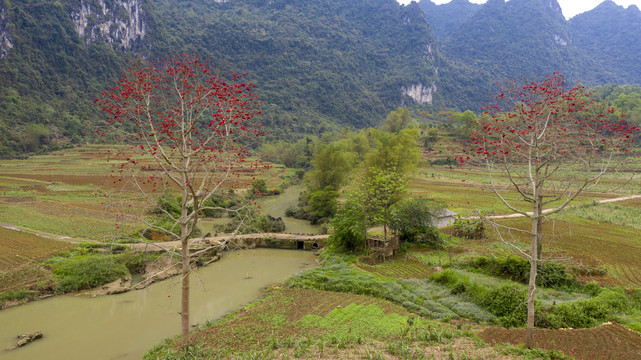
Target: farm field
65, 192
608, 341
403, 268
20, 253
589, 243
468, 193
301, 323
64, 197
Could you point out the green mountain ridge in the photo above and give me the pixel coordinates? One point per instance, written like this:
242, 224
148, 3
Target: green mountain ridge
612, 35
446, 18
319, 64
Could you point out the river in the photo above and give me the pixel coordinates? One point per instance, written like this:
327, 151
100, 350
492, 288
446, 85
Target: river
125, 326
274, 206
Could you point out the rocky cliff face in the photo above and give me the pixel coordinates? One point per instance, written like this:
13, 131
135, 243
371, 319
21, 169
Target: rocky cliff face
120, 23
424, 87
6, 39
420, 93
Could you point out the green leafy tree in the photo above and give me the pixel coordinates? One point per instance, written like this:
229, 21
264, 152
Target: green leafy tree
397, 120
331, 166
381, 190
397, 152
323, 203
466, 122
350, 226
413, 220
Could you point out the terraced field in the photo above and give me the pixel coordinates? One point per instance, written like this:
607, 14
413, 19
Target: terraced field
311, 324
616, 248
608, 341
65, 192
20, 253
409, 268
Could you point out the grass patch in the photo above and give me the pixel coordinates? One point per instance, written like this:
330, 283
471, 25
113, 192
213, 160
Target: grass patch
84, 269
18, 295
307, 323
423, 297
610, 213
85, 272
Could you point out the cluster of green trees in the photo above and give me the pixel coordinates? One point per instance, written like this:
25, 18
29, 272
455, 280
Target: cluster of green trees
359, 179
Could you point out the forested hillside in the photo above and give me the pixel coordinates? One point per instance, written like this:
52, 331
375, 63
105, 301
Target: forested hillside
611, 35
47, 76
508, 39
319, 64
504, 40
446, 18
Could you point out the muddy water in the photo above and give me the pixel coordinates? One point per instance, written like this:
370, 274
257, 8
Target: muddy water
274, 206
125, 326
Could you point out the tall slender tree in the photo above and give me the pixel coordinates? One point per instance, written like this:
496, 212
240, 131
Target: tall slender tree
188, 127
550, 143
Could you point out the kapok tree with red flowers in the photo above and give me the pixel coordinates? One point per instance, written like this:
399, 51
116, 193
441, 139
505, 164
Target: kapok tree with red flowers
551, 143
188, 127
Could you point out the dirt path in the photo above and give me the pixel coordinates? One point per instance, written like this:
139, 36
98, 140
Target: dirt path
547, 211
45, 234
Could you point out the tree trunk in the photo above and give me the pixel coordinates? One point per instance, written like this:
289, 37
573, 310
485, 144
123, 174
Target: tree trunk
385, 225
537, 221
184, 310
184, 235
539, 239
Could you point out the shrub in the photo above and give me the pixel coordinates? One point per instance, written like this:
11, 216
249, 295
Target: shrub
85, 272
258, 188
468, 228
550, 274
249, 221
413, 220
589, 312
17, 295
323, 203
135, 261
420, 296
214, 206
268, 224
508, 303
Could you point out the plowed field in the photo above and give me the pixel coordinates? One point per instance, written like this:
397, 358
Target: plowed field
608, 341
19, 254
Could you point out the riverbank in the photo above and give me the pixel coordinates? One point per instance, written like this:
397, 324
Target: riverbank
410, 308
126, 325
204, 251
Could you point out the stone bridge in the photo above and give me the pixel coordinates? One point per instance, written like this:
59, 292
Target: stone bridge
268, 240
